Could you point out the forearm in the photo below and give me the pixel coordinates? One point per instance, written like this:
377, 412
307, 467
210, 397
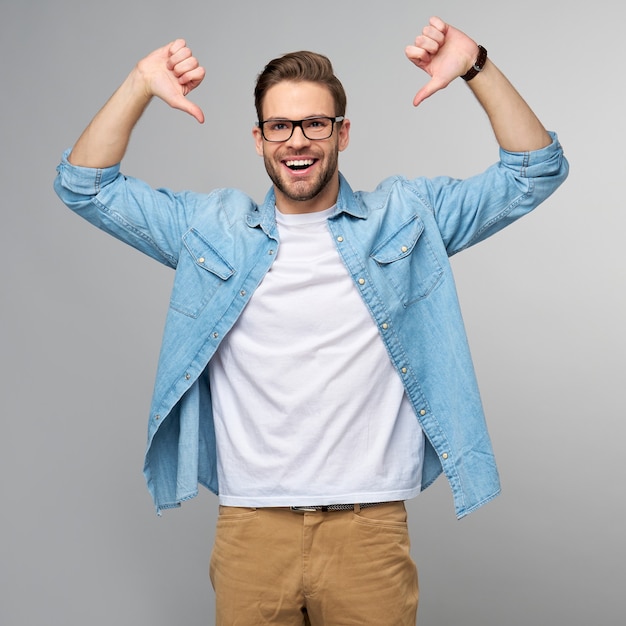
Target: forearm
103, 143
516, 127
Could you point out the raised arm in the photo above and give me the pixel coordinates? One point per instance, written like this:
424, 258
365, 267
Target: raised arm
446, 53
169, 73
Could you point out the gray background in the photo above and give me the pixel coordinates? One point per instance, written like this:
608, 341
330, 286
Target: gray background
82, 315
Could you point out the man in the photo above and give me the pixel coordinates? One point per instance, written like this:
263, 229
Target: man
314, 369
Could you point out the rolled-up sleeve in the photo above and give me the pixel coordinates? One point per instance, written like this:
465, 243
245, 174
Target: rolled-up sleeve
470, 210
151, 220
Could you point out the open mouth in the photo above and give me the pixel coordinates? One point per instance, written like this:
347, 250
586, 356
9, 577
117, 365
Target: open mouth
296, 165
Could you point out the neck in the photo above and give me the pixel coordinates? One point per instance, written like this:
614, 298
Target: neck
320, 202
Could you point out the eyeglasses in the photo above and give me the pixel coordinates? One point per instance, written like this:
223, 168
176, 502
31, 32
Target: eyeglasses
314, 128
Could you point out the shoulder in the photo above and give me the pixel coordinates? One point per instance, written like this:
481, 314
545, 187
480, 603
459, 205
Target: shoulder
397, 194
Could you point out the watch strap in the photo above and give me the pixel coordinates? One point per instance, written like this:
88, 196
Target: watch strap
479, 64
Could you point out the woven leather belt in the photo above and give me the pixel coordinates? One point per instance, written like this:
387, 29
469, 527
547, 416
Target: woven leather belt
332, 507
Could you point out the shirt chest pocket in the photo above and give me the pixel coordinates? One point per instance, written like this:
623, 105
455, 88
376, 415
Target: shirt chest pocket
200, 275
408, 262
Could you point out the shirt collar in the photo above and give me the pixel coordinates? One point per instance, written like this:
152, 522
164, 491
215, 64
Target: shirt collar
264, 215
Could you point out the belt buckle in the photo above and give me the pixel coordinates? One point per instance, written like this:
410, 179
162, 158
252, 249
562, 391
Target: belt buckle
304, 509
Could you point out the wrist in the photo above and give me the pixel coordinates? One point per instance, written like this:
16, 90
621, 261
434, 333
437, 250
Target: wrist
139, 85
478, 65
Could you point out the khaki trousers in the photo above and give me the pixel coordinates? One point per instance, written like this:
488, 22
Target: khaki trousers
334, 568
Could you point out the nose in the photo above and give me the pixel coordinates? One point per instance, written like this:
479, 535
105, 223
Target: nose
298, 137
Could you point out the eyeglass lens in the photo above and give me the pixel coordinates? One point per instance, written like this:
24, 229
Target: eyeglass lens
313, 128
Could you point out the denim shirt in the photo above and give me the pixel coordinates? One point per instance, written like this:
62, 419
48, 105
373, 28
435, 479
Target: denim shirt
395, 242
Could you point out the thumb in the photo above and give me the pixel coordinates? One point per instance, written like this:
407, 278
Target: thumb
187, 106
431, 87
195, 111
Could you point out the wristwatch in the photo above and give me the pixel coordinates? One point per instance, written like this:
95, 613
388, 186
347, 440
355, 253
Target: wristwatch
481, 59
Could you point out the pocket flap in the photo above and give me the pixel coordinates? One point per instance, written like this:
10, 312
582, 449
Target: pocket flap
400, 243
206, 256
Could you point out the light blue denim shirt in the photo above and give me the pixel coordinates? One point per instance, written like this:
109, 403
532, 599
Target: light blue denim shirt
395, 242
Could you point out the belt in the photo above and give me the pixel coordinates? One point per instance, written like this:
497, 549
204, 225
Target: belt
334, 507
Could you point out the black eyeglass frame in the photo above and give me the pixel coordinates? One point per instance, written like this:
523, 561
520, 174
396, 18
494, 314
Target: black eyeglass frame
298, 124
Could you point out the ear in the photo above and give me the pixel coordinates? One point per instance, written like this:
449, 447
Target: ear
344, 135
258, 140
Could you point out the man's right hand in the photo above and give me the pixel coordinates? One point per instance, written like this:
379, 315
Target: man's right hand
171, 73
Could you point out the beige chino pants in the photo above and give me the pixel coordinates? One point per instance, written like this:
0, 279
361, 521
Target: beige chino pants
334, 568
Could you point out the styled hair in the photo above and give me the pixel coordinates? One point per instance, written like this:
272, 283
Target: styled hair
298, 67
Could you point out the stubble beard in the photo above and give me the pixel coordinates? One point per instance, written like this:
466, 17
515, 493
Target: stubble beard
303, 190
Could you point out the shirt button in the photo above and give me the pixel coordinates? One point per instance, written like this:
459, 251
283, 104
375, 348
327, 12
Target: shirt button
157, 417
242, 292
422, 412
271, 252
404, 248
216, 335
340, 239
444, 456
404, 370
385, 326
361, 281
187, 376
201, 259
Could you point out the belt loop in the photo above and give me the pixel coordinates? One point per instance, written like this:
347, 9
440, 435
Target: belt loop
357, 508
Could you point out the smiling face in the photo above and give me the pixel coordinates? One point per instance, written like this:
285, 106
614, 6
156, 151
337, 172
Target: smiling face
304, 172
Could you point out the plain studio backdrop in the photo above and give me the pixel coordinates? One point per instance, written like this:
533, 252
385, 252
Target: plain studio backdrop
82, 315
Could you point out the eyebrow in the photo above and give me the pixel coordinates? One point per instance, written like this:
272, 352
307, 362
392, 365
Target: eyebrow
287, 119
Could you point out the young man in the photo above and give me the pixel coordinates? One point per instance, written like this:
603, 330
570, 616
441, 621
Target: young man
314, 369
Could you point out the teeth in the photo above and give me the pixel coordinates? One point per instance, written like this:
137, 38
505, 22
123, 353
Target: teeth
299, 163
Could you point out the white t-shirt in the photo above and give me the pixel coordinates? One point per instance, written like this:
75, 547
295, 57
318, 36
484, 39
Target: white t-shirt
308, 408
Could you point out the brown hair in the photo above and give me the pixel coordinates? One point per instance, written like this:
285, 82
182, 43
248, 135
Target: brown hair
297, 67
